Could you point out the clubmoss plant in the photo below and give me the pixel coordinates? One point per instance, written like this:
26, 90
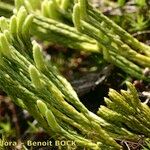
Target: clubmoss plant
96, 33
48, 25
37, 86
126, 110
119, 47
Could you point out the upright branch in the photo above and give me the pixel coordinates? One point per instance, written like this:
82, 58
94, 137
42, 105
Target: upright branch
119, 47
126, 110
50, 24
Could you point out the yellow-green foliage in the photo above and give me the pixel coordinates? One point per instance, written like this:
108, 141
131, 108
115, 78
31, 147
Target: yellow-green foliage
35, 84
